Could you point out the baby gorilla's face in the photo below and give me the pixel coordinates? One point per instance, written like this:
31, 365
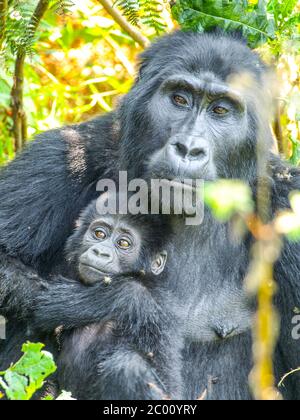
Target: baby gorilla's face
111, 246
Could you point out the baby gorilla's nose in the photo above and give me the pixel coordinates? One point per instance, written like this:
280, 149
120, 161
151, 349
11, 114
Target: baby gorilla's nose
100, 252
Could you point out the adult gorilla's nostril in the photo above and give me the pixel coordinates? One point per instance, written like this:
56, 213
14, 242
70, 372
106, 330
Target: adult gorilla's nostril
197, 153
181, 149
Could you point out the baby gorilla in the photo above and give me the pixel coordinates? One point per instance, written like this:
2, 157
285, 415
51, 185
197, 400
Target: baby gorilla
134, 351
112, 245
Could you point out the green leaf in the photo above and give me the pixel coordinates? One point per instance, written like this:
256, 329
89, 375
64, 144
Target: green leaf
288, 222
23, 379
295, 158
227, 198
252, 20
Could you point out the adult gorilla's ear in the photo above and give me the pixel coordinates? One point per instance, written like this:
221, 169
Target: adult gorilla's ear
141, 70
159, 263
144, 60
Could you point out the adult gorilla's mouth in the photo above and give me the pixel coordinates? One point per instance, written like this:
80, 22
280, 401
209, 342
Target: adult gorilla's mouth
180, 174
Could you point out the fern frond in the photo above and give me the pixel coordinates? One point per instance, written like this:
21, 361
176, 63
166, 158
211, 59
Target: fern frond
130, 9
145, 12
19, 31
61, 7
151, 15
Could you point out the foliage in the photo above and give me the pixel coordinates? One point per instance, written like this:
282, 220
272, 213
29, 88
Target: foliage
98, 67
144, 12
288, 222
227, 198
258, 21
295, 156
247, 17
19, 32
22, 380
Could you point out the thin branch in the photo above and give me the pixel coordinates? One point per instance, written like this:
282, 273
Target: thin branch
3, 14
288, 375
125, 25
278, 128
19, 116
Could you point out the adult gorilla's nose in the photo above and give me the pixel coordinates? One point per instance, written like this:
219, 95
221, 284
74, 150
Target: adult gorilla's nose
191, 151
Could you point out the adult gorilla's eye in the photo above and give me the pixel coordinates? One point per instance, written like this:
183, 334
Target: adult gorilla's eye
100, 234
220, 110
124, 243
180, 101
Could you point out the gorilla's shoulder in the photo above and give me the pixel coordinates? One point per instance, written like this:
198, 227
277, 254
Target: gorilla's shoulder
286, 178
101, 128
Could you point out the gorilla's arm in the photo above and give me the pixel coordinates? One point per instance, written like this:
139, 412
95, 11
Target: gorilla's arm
133, 347
42, 193
18, 287
125, 300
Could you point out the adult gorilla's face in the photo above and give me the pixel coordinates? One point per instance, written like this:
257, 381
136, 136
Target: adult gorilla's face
199, 115
193, 112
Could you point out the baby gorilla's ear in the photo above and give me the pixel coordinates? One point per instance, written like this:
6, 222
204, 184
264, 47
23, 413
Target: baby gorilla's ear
159, 263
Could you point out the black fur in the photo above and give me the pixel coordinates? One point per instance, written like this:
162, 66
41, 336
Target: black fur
45, 189
134, 353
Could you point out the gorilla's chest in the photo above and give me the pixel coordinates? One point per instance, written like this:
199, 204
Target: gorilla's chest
207, 276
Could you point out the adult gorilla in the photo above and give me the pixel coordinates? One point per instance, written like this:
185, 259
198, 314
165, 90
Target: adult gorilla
185, 117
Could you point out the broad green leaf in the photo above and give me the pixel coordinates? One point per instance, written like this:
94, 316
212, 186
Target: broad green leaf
248, 17
295, 158
27, 376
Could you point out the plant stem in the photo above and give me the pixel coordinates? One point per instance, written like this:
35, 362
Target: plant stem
278, 128
17, 93
266, 252
125, 25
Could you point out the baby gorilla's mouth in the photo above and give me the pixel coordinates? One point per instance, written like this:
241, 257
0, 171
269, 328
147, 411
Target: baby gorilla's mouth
93, 268
90, 274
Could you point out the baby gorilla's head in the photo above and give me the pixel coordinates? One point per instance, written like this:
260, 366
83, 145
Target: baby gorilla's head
105, 245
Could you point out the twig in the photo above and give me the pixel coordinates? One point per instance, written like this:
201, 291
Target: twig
125, 25
19, 116
3, 14
287, 375
278, 128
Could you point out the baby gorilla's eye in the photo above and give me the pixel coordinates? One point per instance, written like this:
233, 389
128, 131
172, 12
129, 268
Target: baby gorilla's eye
124, 243
220, 110
100, 234
180, 101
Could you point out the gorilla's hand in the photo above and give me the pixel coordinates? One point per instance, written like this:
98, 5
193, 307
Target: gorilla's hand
96, 363
68, 303
19, 285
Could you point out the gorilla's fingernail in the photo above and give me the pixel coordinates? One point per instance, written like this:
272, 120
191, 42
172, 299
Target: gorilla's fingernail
107, 280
